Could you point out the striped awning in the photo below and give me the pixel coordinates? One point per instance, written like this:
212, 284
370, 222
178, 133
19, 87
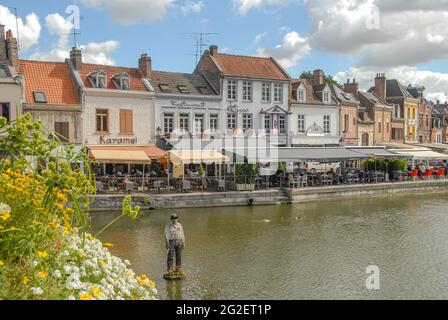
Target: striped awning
119, 156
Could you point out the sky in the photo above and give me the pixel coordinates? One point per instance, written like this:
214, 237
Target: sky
406, 39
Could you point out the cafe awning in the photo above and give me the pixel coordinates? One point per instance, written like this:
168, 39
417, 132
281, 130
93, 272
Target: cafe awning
119, 156
376, 152
197, 157
153, 153
322, 155
421, 154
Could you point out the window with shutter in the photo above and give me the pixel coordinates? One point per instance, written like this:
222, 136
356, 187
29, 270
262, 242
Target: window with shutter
126, 122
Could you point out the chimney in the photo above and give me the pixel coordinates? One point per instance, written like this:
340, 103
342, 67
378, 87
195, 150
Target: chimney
145, 65
3, 52
76, 58
214, 50
12, 49
381, 86
318, 77
352, 87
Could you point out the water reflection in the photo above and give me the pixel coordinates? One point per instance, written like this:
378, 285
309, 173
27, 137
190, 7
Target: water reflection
317, 250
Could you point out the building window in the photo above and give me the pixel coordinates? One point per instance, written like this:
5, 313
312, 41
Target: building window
427, 121
199, 123
365, 139
301, 95
247, 91
40, 97
327, 124
346, 123
231, 121
326, 97
183, 89
5, 111
301, 124
98, 80
213, 122
267, 123
387, 127
102, 121
282, 124
380, 126
231, 90
266, 92
247, 121
184, 122
122, 81
164, 87
62, 130
126, 122
278, 93
168, 123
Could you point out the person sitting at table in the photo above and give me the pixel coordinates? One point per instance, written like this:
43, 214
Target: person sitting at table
420, 171
119, 174
409, 168
138, 173
331, 172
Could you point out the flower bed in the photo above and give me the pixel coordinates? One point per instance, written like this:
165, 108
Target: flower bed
45, 251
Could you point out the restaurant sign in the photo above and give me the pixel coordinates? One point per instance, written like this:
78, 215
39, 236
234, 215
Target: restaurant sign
233, 108
185, 104
315, 131
118, 141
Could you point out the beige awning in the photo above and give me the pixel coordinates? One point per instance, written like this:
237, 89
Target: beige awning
421, 154
197, 157
119, 156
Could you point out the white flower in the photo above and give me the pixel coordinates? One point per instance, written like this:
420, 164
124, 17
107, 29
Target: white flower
71, 298
57, 274
35, 263
37, 291
4, 208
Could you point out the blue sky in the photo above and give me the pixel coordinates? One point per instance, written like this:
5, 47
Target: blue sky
333, 35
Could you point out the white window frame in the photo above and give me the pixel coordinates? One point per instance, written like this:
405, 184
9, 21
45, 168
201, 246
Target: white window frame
282, 124
198, 117
300, 95
327, 124
326, 97
266, 92
248, 121
278, 92
214, 122
268, 123
232, 90
232, 121
184, 126
168, 122
301, 125
247, 91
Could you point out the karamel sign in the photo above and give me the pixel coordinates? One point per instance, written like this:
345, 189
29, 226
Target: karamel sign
118, 141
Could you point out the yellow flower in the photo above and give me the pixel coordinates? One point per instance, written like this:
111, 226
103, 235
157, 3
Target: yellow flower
96, 291
25, 280
1, 263
5, 216
42, 274
108, 245
152, 283
102, 262
86, 296
90, 237
42, 254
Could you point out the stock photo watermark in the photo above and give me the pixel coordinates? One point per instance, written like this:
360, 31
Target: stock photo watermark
373, 280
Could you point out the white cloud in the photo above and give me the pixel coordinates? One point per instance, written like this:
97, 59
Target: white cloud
131, 12
29, 31
436, 83
258, 38
381, 33
244, 6
192, 6
288, 54
93, 52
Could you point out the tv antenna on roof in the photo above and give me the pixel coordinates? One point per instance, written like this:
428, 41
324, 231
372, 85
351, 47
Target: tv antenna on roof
75, 35
17, 26
201, 42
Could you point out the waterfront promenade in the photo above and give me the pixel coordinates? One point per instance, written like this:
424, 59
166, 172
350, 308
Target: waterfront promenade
266, 197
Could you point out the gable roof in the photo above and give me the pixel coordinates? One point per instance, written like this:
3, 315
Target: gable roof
136, 76
344, 97
313, 92
192, 82
52, 78
249, 67
372, 97
396, 89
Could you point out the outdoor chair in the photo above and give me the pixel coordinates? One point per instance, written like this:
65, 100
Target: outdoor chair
100, 187
440, 174
186, 186
130, 186
414, 175
304, 181
428, 174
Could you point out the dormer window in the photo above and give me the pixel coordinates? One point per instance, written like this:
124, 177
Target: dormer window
98, 80
326, 97
122, 81
183, 89
300, 95
204, 90
164, 87
40, 97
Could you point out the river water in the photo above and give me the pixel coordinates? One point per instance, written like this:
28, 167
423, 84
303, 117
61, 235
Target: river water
316, 250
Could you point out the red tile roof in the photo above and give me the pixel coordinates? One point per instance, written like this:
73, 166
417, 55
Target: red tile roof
250, 67
53, 78
110, 71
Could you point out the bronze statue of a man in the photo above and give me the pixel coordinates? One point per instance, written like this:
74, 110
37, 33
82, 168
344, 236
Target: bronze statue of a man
175, 243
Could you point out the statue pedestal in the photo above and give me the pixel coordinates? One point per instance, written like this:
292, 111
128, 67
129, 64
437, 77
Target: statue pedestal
175, 276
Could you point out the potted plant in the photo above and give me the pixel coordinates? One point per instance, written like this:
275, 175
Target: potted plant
245, 177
